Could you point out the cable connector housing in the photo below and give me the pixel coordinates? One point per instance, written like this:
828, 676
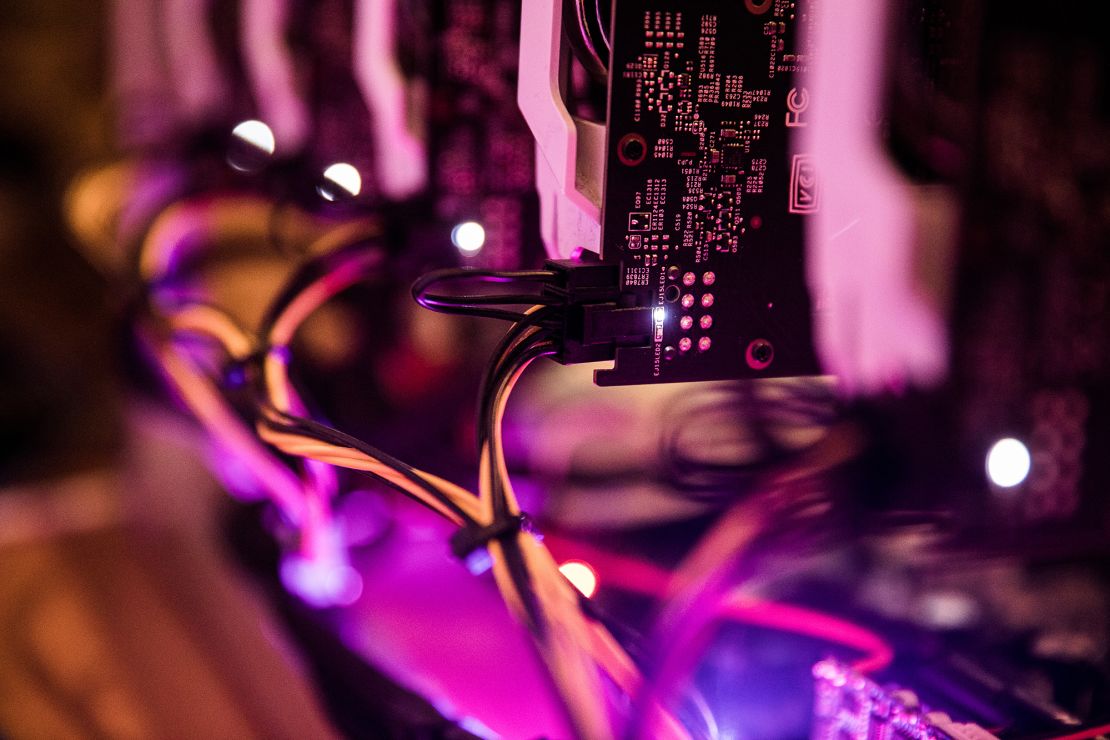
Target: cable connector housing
597, 318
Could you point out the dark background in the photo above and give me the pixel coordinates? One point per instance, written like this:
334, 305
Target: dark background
57, 394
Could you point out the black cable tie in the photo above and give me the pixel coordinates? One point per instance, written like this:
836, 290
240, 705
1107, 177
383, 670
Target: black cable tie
470, 538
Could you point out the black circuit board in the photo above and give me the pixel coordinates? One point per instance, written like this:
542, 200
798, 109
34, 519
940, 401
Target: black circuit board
1030, 332
320, 41
481, 150
1029, 323
705, 201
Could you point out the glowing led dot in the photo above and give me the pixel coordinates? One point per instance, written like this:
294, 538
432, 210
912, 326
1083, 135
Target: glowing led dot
707, 300
659, 314
581, 576
1008, 463
705, 322
688, 300
709, 278
704, 344
344, 176
468, 237
685, 344
257, 134
689, 278
686, 322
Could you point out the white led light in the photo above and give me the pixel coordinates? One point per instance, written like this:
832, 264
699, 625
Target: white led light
1008, 463
468, 237
581, 576
257, 134
659, 314
344, 176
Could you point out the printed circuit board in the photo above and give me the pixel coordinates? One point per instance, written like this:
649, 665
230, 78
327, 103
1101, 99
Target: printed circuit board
705, 200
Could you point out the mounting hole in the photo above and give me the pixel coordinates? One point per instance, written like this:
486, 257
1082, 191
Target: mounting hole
672, 293
760, 354
631, 149
757, 7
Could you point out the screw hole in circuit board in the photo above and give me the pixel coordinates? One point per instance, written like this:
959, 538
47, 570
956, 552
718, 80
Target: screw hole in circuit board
632, 149
760, 354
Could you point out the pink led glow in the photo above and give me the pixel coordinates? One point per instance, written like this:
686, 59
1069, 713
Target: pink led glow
638, 576
413, 586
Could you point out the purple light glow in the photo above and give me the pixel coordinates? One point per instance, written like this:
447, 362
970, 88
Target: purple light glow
475, 727
320, 573
413, 586
478, 562
322, 582
234, 474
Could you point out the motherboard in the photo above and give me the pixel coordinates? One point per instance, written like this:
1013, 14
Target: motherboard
705, 200
849, 706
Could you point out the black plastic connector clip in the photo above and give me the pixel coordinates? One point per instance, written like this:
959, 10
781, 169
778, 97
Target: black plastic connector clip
468, 540
597, 318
